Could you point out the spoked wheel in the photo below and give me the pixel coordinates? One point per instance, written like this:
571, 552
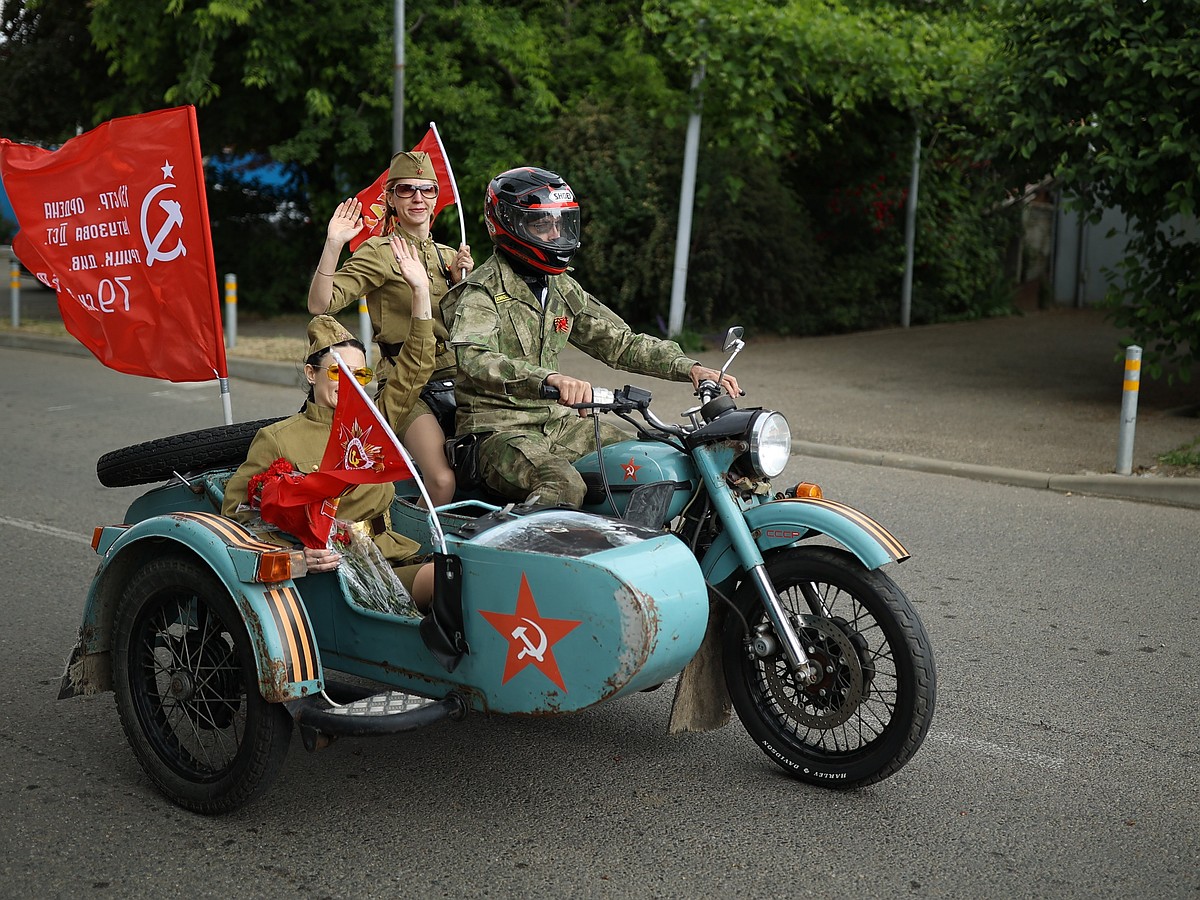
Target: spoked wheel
187, 689
870, 709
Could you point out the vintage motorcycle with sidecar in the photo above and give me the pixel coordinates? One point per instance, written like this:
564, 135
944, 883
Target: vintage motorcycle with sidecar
216, 643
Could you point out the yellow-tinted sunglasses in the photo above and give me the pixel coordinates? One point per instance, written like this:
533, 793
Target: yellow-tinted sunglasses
363, 376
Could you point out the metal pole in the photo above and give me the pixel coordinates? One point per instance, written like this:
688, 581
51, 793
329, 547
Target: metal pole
1129, 399
364, 327
14, 280
230, 310
687, 195
398, 80
910, 233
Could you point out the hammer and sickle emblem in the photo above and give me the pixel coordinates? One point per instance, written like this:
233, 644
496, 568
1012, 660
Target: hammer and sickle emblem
530, 650
174, 220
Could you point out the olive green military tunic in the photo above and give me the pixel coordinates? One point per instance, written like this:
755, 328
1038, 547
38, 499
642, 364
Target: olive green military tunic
507, 345
372, 272
301, 439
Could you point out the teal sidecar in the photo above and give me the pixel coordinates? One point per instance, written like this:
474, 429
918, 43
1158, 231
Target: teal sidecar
217, 644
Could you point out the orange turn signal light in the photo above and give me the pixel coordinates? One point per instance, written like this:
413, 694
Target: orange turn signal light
809, 490
96, 538
274, 565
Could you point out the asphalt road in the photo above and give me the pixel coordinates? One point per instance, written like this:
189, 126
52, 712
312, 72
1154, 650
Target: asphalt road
1061, 762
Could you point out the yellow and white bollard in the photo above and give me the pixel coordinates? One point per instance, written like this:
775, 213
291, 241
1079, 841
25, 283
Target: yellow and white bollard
230, 310
364, 328
1129, 399
14, 282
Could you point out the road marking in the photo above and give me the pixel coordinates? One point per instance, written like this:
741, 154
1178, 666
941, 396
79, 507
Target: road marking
1004, 751
39, 528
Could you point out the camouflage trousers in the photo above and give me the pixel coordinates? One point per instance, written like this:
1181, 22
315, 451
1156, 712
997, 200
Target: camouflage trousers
518, 464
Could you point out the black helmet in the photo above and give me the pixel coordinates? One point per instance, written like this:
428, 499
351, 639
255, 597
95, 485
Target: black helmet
533, 218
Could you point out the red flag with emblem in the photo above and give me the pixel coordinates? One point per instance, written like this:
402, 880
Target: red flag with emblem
372, 197
116, 221
362, 449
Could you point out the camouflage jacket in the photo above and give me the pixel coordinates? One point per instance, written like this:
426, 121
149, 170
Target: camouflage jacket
507, 345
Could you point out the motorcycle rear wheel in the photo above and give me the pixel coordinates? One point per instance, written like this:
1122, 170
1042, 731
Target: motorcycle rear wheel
870, 711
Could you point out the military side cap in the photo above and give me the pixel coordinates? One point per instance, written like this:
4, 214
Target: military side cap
406, 164
324, 332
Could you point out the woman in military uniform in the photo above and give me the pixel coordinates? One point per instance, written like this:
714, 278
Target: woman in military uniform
301, 439
371, 272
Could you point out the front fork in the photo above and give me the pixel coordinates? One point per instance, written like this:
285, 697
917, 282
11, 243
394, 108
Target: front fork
713, 461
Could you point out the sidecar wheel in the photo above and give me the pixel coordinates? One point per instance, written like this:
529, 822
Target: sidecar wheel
870, 711
187, 689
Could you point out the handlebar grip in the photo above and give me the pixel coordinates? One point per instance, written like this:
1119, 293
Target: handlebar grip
600, 396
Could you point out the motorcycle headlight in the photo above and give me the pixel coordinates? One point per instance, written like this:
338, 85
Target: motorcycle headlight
770, 444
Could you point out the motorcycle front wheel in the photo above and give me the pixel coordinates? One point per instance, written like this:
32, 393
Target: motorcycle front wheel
869, 711
186, 686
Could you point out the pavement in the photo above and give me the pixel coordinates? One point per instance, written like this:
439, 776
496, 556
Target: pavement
1032, 400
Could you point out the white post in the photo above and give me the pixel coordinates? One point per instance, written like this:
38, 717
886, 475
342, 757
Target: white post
364, 328
910, 233
398, 81
1129, 399
687, 195
230, 310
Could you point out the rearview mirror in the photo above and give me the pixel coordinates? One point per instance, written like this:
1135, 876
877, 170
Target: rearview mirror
732, 337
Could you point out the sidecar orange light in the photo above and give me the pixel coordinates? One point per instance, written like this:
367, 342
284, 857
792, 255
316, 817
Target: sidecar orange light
809, 490
96, 538
274, 565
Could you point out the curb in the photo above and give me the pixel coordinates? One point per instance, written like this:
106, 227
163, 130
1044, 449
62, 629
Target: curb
1183, 492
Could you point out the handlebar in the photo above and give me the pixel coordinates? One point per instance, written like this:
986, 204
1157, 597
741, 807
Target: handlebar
602, 398
626, 399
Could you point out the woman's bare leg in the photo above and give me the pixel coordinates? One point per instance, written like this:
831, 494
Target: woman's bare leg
425, 441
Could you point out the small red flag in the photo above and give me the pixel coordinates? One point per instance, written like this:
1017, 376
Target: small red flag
372, 197
116, 221
362, 449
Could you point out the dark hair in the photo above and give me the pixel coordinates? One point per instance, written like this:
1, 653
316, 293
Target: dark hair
314, 360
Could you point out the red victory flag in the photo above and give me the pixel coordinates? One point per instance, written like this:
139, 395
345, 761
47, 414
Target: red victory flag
372, 198
362, 449
116, 221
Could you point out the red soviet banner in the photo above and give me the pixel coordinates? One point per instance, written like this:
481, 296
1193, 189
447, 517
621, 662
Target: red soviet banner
116, 221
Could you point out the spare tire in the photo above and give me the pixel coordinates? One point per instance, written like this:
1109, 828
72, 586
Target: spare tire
210, 448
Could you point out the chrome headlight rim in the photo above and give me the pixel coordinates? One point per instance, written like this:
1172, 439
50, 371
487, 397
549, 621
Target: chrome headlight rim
770, 444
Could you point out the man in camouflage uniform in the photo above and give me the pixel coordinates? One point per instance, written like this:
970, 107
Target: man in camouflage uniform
511, 320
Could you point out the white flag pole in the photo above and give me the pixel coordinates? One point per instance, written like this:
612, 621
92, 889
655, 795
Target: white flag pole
462, 219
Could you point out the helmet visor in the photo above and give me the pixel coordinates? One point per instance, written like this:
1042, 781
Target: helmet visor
549, 227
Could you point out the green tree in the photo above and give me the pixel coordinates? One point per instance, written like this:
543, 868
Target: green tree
52, 74
1103, 96
810, 113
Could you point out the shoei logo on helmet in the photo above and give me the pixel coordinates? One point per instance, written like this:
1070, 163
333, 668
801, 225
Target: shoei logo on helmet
562, 195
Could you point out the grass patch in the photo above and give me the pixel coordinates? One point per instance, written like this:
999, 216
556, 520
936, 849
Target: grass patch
1187, 455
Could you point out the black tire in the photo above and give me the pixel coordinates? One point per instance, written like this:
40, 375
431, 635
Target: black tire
871, 710
187, 689
224, 446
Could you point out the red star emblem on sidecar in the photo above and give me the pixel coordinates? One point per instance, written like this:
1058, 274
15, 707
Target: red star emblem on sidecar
530, 637
630, 469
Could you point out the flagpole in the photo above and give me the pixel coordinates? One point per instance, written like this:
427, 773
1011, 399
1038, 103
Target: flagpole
347, 377
462, 222
222, 369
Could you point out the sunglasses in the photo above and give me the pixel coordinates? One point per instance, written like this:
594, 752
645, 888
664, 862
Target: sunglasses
363, 376
404, 191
